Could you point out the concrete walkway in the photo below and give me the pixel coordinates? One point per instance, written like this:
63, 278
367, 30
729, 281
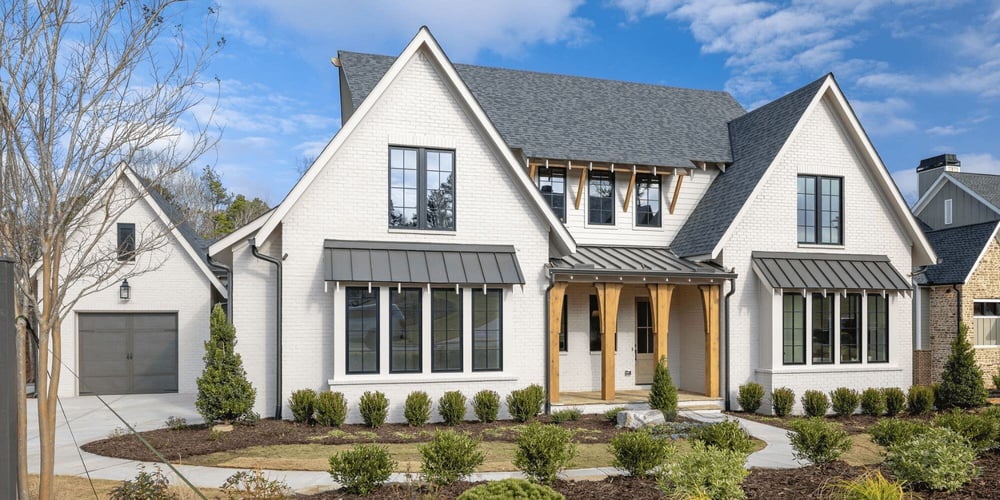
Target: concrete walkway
90, 421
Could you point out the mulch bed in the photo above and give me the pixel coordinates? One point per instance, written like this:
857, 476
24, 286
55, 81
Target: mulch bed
175, 445
607, 489
855, 424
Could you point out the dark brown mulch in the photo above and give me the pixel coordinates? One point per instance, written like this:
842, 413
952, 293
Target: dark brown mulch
175, 445
855, 424
607, 489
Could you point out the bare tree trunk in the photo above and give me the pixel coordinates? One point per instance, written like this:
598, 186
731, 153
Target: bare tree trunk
22, 406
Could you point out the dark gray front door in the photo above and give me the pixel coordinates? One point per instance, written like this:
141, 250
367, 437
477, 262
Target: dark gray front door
128, 353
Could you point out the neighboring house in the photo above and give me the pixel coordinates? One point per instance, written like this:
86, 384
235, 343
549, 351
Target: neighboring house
961, 214
147, 336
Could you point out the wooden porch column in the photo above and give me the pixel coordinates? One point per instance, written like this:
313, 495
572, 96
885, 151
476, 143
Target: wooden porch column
607, 297
710, 304
659, 301
556, 296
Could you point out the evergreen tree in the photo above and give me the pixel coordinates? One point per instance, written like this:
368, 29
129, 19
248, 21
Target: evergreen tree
962, 380
663, 393
224, 393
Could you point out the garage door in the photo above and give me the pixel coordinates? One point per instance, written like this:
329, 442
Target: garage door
128, 353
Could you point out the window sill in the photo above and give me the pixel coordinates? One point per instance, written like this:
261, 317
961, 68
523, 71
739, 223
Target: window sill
600, 226
427, 378
986, 346
435, 232
647, 228
830, 368
822, 246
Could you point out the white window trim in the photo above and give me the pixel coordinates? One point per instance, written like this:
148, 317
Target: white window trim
948, 212
974, 316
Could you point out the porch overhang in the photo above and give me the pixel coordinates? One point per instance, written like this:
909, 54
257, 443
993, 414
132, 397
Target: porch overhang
633, 264
423, 263
833, 272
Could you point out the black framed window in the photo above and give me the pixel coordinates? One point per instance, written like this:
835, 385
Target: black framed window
487, 330
421, 188
850, 328
552, 184
793, 329
601, 198
564, 328
126, 241
878, 329
820, 210
446, 331
647, 200
643, 327
404, 330
822, 328
362, 330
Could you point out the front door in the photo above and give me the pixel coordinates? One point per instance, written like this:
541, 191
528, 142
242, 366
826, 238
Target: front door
644, 362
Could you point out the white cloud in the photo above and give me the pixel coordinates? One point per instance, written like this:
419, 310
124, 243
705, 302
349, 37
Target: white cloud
981, 163
884, 117
946, 130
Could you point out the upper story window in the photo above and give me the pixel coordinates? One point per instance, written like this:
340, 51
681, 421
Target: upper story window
421, 188
947, 211
647, 200
552, 184
601, 198
820, 210
126, 241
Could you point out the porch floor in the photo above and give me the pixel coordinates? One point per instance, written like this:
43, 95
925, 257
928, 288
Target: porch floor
626, 396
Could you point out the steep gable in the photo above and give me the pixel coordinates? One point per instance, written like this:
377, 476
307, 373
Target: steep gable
959, 249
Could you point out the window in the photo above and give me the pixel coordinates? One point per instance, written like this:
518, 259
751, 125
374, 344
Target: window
822, 328
564, 329
794, 329
986, 322
647, 200
404, 330
552, 184
421, 188
595, 325
601, 198
126, 242
362, 330
878, 329
850, 328
487, 331
947, 211
820, 203
446, 331
643, 327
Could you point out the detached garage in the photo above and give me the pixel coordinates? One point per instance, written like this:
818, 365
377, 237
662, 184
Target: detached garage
128, 353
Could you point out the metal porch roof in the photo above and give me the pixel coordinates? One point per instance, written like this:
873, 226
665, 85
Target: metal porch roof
828, 271
632, 261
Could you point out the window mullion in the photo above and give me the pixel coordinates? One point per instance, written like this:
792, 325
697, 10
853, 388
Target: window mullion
421, 188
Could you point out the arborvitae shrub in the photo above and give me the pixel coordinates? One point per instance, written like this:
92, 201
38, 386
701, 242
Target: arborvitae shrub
374, 408
938, 459
417, 409
895, 401
962, 380
845, 401
224, 393
543, 450
640, 452
663, 393
486, 405
751, 395
451, 407
815, 403
331, 409
782, 400
872, 402
449, 457
525, 404
727, 434
818, 440
363, 468
303, 404
919, 400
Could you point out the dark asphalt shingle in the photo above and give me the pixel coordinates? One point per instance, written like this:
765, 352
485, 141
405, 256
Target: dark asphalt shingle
957, 248
985, 185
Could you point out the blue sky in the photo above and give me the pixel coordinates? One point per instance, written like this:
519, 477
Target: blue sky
923, 75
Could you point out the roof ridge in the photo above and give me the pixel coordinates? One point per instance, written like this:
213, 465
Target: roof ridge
966, 226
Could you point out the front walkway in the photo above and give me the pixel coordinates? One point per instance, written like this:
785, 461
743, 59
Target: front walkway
91, 421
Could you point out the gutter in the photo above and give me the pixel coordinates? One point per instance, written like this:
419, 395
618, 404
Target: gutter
229, 286
548, 348
277, 329
958, 308
732, 290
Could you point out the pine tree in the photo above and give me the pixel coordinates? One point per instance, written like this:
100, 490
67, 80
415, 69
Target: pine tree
962, 380
224, 393
663, 393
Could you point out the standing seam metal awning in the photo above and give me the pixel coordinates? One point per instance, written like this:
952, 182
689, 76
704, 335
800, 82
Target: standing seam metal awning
828, 271
631, 261
434, 263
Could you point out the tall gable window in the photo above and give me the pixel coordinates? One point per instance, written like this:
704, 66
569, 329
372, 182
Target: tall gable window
421, 188
126, 242
820, 210
647, 200
552, 184
601, 198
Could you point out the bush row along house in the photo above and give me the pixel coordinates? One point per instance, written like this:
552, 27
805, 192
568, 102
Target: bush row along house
482, 228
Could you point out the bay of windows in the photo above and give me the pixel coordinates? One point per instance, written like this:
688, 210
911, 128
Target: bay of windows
421, 188
836, 332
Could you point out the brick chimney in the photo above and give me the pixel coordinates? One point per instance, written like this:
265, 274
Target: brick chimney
931, 168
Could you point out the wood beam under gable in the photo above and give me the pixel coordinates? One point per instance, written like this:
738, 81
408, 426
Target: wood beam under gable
677, 192
579, 190
659, 301
607, 298
532, 171
556, 296
710, 306
628, 193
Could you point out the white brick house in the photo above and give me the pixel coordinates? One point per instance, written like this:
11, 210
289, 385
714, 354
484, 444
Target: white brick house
433, 242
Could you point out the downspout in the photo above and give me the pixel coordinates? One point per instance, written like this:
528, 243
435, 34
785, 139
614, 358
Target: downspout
548, 348
229, 286
277, 328
732, 290
958, 308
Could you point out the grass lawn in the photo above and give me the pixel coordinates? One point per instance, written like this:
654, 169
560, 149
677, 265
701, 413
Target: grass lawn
864, 451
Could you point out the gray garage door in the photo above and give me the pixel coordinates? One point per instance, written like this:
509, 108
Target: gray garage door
128, 353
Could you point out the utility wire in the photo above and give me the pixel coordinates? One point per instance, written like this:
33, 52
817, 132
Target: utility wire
77, 445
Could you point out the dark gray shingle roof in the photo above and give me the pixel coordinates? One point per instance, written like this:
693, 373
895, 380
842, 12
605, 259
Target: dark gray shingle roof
756, 137
576, 118
957, 248
633, 261
815, 271
436, 263
985, 185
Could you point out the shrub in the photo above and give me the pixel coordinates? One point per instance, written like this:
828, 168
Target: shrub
303, 404
449, 457
224, 393
751, 395
451, 407
525, 404
176, 423
938, 459
895, 400
980, 431
417, 409
511, 488
486, 405
331, 409
640, 452
872, 485
782, 400
728, 435
146, 485
962, 379
571, 415
815, 403
845, 401
818, 441
374, 408
543, 451
612, 414
919, 400
663, 393
873, 402
705, 472
362, 469
992, 412
996, 380
890, 431
254, 484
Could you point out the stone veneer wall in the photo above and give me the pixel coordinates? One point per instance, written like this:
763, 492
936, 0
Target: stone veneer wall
922, 372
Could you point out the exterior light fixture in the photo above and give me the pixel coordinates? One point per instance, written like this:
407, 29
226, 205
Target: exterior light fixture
125, 291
